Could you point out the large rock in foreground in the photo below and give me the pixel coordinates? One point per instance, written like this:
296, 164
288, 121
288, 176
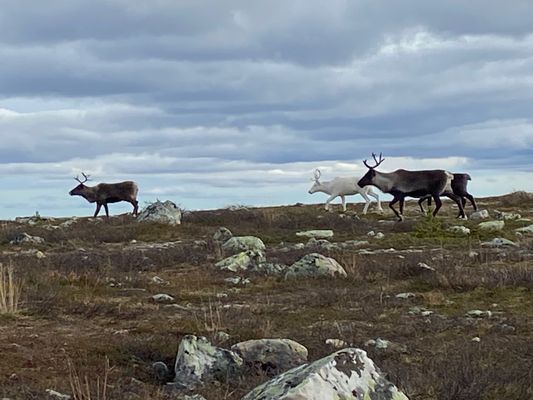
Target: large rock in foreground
271, 355
347, 374
315, 265
243, 243
199, 361
161, 212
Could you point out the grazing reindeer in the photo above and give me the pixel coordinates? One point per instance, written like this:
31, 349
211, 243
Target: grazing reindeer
402, 183
459, 187
343, 187
105, 193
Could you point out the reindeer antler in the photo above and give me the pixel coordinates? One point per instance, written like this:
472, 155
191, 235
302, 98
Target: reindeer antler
381, 159
87, 177
317, 174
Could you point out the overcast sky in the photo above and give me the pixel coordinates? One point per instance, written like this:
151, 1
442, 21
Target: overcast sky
219, 102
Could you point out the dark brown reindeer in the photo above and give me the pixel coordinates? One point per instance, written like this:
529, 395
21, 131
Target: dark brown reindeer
459, 187
105, 193
402, 183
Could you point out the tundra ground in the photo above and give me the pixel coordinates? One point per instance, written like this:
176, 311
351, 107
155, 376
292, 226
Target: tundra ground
89, 300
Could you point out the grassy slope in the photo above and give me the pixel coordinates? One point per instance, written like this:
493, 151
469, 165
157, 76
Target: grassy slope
89, 299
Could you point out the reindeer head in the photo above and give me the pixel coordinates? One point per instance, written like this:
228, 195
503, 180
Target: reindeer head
368, 178
316, 186
78, 190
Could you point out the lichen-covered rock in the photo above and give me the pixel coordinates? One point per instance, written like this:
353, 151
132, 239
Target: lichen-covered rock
347, 374
315, 265
507, 216
198, 361
499, 242
24, 238
271, 355
317, 234
222, 235
459, 229
492, 226
243, 243
244, 261
528, 230
269, 268
481, 214
161, 212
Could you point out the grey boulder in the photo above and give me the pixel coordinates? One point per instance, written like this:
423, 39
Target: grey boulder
198, 361
271, 355
243, 243
315, 265
348, 374
161, 212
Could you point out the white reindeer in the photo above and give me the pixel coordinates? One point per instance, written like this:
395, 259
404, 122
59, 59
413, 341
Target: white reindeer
343, 187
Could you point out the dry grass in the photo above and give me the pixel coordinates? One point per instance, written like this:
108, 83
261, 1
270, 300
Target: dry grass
90, 297
10, 290
85, 388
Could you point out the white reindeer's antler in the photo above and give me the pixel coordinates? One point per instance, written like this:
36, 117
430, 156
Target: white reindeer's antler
317, 174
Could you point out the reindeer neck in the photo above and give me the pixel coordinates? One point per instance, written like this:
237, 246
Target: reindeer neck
383, 181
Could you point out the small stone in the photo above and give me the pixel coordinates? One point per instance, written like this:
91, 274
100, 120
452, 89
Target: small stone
425, 267
336, 343
481, 214
317, 234
371, 233
406, 295
162, 298
57, 395
459, 229
492, 226
24, 238
479, 314
476, 339
473, 254
526, 230
157, 280
161, 371
499, 242
380, 235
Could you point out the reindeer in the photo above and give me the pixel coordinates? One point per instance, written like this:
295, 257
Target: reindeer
343, 187
402, 183
105, 193
459, 187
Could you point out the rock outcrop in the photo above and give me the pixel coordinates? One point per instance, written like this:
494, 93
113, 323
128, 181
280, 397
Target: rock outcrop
161, 212
315, 265
348, 374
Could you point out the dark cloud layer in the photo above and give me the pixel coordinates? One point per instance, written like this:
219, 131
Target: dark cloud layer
215, 94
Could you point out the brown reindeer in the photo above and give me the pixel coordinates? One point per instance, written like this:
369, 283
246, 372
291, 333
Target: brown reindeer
402, 183
105, 193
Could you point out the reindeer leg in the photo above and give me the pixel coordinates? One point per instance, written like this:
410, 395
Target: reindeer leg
368, 201
106, 210
438, 203
394, 201
459, 201
98, 206
472, 200
402, 203
135, 204
343, 199
330, 198
375, 195
422, 199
